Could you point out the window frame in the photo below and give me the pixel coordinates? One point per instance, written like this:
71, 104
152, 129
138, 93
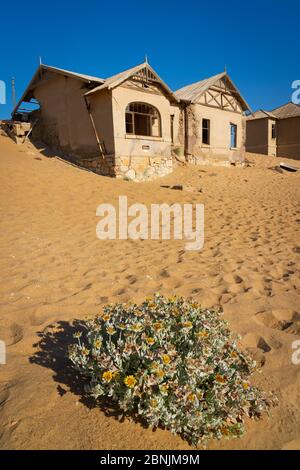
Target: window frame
207, 129
273, 131
233, 125
150, 118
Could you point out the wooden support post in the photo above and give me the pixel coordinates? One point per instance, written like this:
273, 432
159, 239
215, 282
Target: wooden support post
88, 107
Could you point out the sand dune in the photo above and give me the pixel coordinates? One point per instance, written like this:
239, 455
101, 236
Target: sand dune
54, 270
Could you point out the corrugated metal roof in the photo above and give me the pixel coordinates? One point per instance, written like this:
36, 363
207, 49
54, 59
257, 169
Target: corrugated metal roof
287, 110
28, 92
115, 80
260, 115
193, 91
87, 78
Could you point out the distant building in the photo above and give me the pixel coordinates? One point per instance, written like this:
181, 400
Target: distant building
131, 124
275, 133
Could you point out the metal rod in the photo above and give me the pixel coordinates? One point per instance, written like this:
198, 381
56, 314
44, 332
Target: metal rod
13, 92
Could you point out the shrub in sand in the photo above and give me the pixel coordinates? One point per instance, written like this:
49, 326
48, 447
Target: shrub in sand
173, 364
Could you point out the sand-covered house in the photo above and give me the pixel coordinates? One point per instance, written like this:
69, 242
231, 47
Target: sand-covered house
275, 133
132, 124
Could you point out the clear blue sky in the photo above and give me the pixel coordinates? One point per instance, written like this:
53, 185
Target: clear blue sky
185, 41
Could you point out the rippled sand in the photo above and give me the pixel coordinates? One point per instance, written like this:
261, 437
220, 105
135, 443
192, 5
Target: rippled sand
54, 270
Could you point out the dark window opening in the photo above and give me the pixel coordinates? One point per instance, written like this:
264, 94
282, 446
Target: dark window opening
142, 119
172, 128
233, 136
274, 131
129, 123
206, 131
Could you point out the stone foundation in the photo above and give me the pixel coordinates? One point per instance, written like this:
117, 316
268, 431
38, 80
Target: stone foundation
142, 168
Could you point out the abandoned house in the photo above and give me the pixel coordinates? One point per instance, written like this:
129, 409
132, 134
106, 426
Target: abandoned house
275, 133
131, 124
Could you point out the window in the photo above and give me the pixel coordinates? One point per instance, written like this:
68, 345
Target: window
273, 131
172, 128
142, 119
233, 136
206, 131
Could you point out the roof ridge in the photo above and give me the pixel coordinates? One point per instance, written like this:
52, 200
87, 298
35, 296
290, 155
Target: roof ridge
203, 80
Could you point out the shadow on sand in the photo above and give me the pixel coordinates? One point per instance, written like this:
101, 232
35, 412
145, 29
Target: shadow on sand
52, 353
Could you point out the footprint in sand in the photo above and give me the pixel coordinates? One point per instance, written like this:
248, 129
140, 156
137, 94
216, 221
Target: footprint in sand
254, 341
132, 279
282, 320
4, 395
11, 334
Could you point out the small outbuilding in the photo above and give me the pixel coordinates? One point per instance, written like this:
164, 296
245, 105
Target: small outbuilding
275, 133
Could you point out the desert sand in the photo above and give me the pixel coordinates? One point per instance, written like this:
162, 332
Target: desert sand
55, 271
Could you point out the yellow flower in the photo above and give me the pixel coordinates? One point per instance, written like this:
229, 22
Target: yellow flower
164, 389
160, 373
187, 324
166, 359
107, 376
85, 351
202, 334
153, 403
154, 365
224, 431
191, 397
130, 381
137, 327
116, 374
245, 385
122, 326
199, 395
194, 305
110, 330
106, 317
152, 305
157, 326
219, 378
150, 340
97, 343
175, 311
233, 354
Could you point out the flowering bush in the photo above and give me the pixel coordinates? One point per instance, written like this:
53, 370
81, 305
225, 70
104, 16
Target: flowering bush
171, 362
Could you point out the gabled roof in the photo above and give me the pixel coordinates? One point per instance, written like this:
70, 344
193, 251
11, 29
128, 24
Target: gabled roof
81, 76
261, 114
287, 110
191, 93
118, 79
27, 95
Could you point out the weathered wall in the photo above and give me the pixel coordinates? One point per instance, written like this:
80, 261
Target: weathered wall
257, 135
64, 123
288, 138
219, 148
140, 157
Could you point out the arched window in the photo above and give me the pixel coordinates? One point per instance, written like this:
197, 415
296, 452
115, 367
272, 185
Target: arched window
142, 119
